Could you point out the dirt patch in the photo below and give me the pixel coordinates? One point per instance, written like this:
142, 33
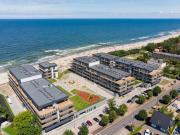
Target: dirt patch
90, 98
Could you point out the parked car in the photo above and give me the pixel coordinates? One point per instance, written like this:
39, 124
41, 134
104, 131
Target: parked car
101, 115
84, 124
147, 132
89, 123
96, 119
8, 100
130, 128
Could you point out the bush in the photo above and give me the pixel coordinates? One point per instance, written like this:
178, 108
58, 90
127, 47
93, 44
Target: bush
150, 94
112, 116
68, 132
141, 100
104, 121
174, 94
156, 91
122, 109
166, 99
112, 104
83, 130
142, 115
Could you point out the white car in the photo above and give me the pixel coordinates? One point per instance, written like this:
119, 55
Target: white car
147, 132
9, 100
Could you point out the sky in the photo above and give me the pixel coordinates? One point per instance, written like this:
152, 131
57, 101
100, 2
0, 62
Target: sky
89, 8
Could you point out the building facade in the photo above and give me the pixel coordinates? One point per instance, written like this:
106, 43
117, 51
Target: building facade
164, 55
113, 79
49, 104
49, 70
148, 73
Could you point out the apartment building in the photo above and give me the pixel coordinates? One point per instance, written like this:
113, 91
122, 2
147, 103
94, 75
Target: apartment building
113, 79
49, 70
49, 104
164, 55
148, 73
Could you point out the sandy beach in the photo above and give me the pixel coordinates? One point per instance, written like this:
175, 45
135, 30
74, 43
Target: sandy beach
64, 62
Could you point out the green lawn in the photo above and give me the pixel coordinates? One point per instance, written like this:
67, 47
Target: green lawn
136, 130
10, 130
133, 56
61, 74
79, 103
74, 91
137, 82
63, 90
52, 80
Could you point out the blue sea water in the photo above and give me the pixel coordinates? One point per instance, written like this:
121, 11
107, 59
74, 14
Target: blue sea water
27, 41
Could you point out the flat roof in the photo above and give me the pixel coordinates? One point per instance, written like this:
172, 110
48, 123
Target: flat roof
168, 54
24, 71
126, 61
86, 59
47, 64
42, 93
106, 56
106, 70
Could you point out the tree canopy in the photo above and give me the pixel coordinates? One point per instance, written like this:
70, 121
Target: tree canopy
156, 91
142, 115
26, 123
166, 99
83, 130
122, 109
104, 121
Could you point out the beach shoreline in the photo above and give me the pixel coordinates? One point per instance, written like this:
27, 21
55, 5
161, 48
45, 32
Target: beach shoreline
64, 62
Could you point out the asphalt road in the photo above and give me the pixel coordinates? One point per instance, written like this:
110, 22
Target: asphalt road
114, 128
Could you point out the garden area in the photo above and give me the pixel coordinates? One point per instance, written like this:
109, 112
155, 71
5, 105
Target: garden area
82, 100
172, 70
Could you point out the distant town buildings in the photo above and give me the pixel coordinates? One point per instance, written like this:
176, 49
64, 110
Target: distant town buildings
50, 104
49, 70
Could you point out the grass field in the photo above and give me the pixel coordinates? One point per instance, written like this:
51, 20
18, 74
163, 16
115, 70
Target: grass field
63, 90
79, 103
133, 56
10, 130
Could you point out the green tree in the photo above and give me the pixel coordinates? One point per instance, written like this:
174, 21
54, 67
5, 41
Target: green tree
26, 123
104, 121
178, 124
166, 99
68, 132
141, 100
156, 91
112, 116
122, 109
150, 94
174, 93
83, 130
142, 115
112, 104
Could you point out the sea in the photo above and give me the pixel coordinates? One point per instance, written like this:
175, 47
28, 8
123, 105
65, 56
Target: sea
25, 41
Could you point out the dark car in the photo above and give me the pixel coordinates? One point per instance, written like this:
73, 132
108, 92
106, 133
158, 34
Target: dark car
129, 101
96, 119
84, 124
130, 128
101, 115
89, 123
